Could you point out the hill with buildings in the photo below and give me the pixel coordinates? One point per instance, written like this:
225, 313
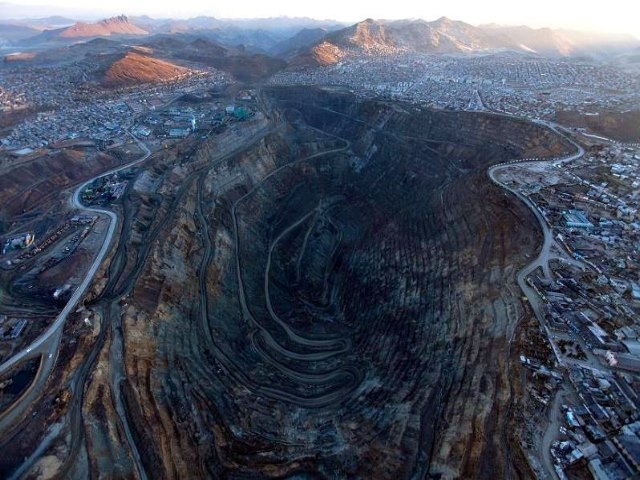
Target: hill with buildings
446, 36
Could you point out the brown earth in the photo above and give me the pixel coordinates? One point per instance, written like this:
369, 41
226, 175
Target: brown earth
621, 126
28, 185
135, 68
110, 26
20, 57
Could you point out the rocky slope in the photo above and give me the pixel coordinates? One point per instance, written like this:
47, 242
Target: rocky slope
28, 185
385, 37
135, 68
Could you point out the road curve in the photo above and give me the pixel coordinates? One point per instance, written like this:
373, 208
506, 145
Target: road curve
48, 342
542, 260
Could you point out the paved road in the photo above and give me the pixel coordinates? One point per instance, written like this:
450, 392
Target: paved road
542, 261
545, 254
47, 344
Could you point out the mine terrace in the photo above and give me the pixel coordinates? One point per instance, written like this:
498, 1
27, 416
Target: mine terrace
418, 266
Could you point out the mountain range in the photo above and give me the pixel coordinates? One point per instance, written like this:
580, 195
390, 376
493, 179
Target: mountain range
308, 41
270, 36
115, 26
141, 49
445, 36
104, 28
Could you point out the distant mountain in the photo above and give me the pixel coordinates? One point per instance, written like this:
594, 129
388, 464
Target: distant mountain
546, 41
135, 68
171, 26
390, 37
238, 62
48, 23
255, 35
115, 26
104, 28
445, 36
11, 33
302, 39
280, 26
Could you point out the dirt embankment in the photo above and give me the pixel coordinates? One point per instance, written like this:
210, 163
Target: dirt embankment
30, 184
624, 127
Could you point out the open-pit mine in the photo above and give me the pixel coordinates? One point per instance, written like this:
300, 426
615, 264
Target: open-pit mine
325, 290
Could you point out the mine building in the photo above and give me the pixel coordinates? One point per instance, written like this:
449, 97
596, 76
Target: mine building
576, 219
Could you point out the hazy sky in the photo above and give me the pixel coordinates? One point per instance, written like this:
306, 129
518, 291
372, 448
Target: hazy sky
609, 16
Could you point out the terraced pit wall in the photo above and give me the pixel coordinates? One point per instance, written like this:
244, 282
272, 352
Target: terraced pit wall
335, 300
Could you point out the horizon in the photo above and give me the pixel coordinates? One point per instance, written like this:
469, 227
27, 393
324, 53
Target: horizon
566, 17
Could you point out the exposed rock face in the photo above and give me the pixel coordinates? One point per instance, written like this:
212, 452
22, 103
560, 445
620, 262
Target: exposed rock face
333, 301
389, 37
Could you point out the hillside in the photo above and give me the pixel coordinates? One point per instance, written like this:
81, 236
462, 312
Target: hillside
242, 65
386, 38
304, 38
10, 32
135, 68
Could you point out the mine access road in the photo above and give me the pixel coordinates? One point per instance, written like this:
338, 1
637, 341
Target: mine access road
46, 345
542, 261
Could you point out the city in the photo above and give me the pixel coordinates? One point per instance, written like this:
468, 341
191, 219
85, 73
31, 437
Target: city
587, 377
388, 264
530, 87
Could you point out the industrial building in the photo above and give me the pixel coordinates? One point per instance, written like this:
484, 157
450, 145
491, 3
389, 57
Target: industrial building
179, 132
576, 219
628, 362
628, 443
17, 329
